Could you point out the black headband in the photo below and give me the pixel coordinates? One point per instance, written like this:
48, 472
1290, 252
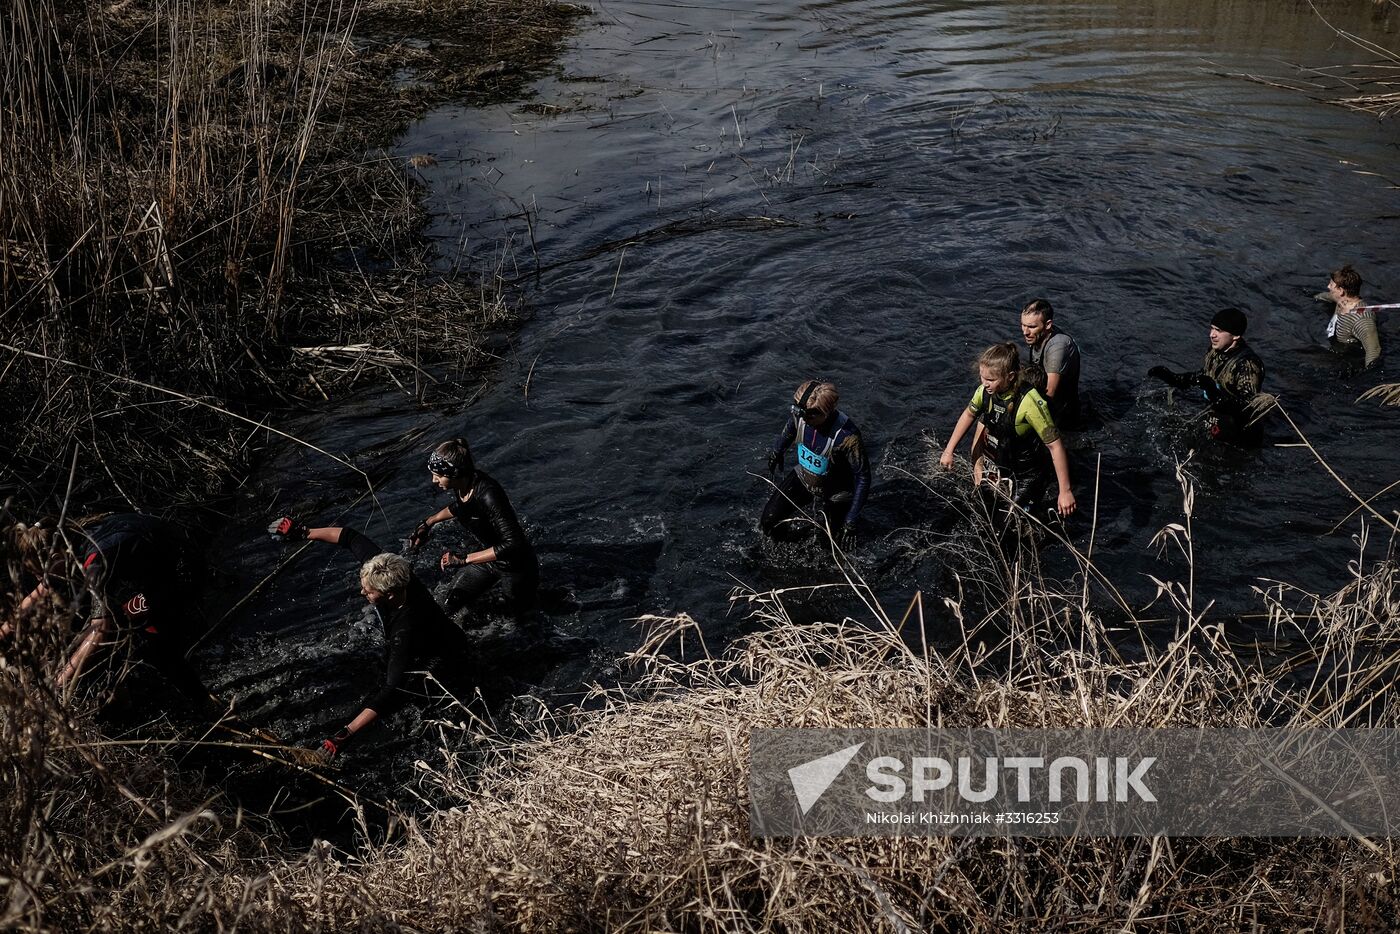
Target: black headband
443, 467
812, 386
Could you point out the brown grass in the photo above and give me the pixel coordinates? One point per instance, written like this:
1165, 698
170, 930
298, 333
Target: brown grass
631, 813
191, 190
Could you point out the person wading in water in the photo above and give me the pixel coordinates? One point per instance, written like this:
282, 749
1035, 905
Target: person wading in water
832, 470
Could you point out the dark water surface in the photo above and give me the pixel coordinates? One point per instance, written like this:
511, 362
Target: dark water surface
710, 202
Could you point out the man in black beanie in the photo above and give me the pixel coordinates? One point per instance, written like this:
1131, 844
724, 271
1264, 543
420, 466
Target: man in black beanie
1229, 380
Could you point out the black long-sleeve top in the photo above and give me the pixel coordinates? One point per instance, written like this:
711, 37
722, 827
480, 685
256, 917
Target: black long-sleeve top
418, 635
488, 516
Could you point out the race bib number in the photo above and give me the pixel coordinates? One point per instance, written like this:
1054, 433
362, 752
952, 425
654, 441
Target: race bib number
811, 461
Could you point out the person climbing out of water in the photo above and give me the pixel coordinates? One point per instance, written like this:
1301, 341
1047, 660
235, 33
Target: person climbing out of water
418, 636
480, 506
832, 471
1057, 354
1230, 380
137, 590
1353, 323
1016, 439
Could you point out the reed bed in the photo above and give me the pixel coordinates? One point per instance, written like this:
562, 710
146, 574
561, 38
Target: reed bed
635, 817
630, 811
1370, 87
191, 191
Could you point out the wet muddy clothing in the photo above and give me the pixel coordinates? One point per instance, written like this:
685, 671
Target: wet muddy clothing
1058, 353
488, 517
140, 576
793, 494
1349, 330
1019, 430
831, 464
418, 636
1233, 378
469, 582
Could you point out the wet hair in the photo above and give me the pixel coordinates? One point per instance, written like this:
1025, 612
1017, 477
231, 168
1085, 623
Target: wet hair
28, 554
1033, 376
823, 395
386, 573
1348, 280
1001, 359
457, 456
1039, 306
31, 541
38, 546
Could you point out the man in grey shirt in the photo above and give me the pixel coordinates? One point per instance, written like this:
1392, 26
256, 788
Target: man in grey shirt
1058, 355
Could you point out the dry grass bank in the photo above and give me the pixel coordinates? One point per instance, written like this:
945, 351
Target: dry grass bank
196, 214
633, 814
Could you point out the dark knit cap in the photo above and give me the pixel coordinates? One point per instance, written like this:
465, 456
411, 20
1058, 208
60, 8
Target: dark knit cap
1231, 320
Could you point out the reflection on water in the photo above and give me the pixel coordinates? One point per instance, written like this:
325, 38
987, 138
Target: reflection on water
717, 200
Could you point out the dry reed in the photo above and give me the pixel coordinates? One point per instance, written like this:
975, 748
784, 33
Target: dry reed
631, 811
189, 190
634, 816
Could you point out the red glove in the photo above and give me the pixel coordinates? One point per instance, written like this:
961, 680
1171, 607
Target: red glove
286, 529
328, 749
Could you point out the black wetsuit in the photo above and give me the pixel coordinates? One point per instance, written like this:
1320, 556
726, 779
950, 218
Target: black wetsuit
488, 517
418, 637
140, 576
832, 470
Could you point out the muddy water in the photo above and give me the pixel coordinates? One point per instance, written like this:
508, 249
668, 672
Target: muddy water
709, 202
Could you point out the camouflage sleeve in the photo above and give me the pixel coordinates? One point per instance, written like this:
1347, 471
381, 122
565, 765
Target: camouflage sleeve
1245, 380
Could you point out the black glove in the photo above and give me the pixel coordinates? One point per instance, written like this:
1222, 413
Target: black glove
328, 749
1179, 380
286, 529
775, 463
847, 538
420, 534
